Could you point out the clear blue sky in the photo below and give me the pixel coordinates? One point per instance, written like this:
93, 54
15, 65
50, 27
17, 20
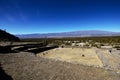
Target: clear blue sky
49, 16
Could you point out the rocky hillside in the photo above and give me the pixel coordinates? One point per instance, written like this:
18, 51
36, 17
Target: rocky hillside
5, 36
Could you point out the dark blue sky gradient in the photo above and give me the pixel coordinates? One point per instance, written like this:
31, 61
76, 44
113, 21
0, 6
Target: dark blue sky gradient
48, 16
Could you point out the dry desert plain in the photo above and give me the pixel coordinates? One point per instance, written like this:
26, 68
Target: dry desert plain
62, 64
86, 56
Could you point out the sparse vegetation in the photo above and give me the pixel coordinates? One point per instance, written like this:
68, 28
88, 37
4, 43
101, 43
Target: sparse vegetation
102, 40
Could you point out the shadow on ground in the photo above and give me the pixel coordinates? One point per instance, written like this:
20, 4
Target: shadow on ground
27, 48
6, 49
41, 49
3, 75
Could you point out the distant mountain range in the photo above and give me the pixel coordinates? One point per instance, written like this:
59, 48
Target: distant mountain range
89, 33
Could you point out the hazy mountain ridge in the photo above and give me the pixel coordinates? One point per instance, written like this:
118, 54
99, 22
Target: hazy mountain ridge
89, 33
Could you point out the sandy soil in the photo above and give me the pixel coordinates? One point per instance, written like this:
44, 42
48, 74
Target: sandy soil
26, 66
86, 56
75, 55
112, 59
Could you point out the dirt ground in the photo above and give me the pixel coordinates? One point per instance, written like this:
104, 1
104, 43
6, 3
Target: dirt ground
27, 66
86, 56
111, 59
74, 55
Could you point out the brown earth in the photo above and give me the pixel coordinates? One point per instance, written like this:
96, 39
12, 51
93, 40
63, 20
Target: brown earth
74, 55
86, 56
26, 66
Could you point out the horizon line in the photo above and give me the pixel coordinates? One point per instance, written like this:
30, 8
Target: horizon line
66, 32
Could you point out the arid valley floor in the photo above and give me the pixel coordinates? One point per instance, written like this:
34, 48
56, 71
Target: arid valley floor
86, 56
63, 64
